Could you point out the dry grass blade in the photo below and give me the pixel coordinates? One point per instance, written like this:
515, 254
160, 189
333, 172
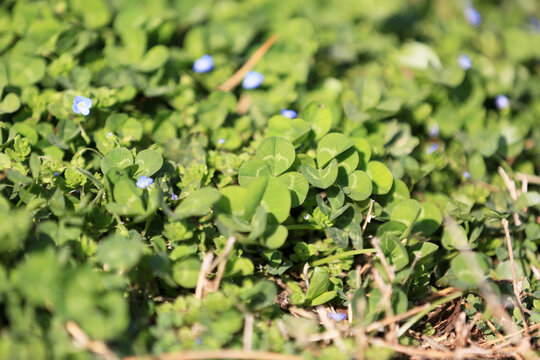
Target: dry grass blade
517, 291
97, 347
237, 77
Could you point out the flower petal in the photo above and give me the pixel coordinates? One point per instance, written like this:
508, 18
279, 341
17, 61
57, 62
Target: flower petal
75, 109
78, 99
87, 102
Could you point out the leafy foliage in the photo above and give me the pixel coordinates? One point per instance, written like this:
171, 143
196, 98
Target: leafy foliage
387, 185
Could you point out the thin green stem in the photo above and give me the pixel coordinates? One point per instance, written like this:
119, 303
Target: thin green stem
342, 255
304, 227
420, 315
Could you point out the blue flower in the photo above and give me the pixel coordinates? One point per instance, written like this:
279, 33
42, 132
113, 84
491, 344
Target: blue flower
466, 174
56, 173
81, 105
464, 61
291, 114
203, 64
144, 182
174, 197
502, 102
535, 25
252, 80
432, 148
434, 131
221, 141
336, 316
473, 16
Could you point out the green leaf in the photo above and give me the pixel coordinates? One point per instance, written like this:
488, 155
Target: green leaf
275, 236
127, 197
406, 211
358, 186
277, 200
319, 117
340, 237
348, 160
298, 186
117, 158
318, 284
470, 267
368, 92
213, 111
394, 252
293, 130
198, 203
233, 201
155, 58
10, 104
330, 146
381, 177
258, 223
119, 253
324, 298
149, 161
278, 153
252, 170
25, 70
186, 272
429, 220
455, 237
35, 165
321, 178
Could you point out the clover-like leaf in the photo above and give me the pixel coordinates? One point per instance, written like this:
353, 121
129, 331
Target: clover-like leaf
321, 178
117, 158
330, 146
278, 153
149, 161
297, 185
198, 203
381, 177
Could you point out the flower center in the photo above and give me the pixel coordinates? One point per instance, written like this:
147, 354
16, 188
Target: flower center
81, 106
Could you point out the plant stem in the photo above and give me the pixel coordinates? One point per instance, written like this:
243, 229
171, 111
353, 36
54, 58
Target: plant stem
434, 305
342, 255
304, 227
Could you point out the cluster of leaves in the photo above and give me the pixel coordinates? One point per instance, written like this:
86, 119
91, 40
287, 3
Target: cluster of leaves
394, 154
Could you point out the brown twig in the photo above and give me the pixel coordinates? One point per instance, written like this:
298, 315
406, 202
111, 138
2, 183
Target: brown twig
532, 179
248, 331
237, 77
368, 216
221, 263
97, 347
511, 186
330, 328
517, 291
201, 280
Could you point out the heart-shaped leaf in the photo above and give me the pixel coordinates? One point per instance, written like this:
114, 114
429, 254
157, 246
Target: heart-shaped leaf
321, 178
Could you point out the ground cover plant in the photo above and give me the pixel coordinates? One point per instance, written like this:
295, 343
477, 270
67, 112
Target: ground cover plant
269, 179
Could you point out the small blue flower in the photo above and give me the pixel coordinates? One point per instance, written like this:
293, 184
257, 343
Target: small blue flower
434, 131
307, 217
174, 197
464, 61
144, 182
203, 64
81, 105
336, 316
56, 173
291, 114
109, 135
467, 175
473, 16
502, 102
252, 80
221, 141
535, 25
432, 148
